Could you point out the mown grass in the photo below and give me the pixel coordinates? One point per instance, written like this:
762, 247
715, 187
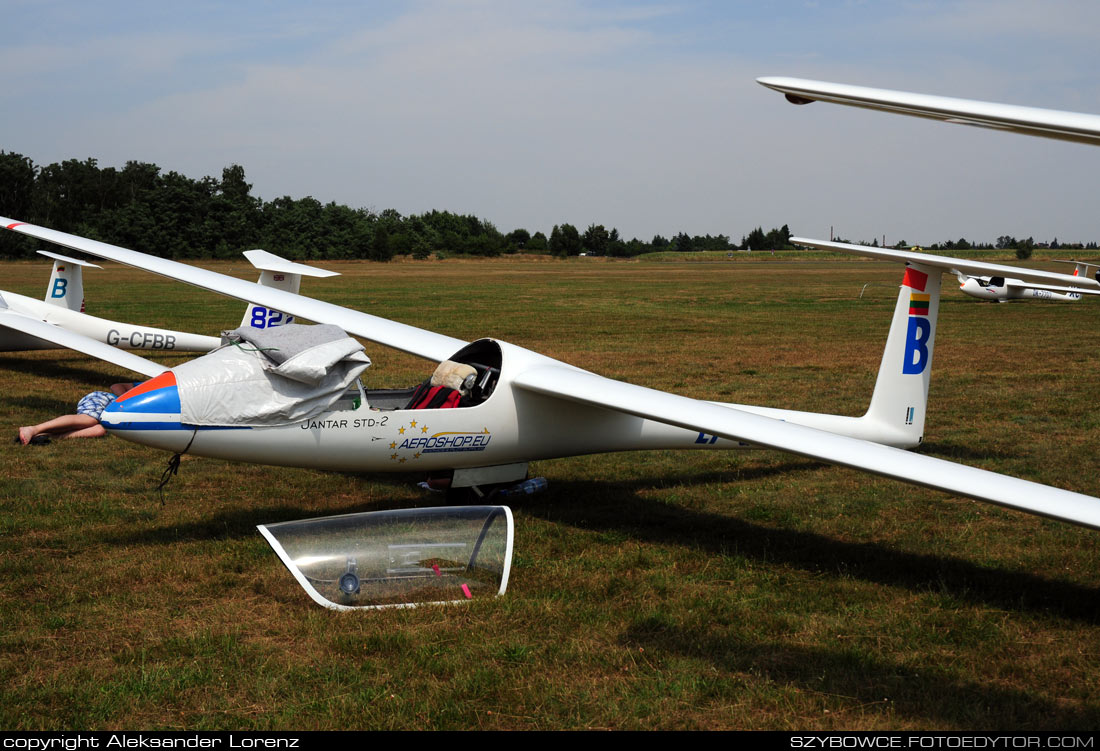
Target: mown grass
649, 590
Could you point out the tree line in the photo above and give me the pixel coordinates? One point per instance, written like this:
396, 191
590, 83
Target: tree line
171, 215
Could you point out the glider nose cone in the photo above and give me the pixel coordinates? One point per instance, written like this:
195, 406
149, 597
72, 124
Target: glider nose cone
153, 405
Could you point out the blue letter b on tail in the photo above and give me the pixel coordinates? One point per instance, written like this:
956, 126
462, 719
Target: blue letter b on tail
916, 345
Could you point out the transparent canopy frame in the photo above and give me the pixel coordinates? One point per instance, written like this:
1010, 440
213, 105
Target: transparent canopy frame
399, 558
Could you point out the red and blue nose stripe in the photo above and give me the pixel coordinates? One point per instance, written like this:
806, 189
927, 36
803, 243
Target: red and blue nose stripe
154, 405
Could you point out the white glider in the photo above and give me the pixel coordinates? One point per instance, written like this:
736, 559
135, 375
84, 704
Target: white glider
981, 280
59, 320
986, 281
520, 406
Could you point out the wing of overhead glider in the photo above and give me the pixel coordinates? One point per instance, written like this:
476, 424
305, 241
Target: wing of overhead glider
1033, 121
947, 263
594, 390
71, 340
389, 333
551, 379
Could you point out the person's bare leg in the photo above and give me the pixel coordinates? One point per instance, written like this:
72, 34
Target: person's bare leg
95, 431
61, 426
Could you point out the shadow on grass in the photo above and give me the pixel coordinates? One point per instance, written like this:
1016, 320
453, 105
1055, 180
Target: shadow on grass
59, 368
849, 678
606, 506
617, 507
234, 524
49, 406
954, 451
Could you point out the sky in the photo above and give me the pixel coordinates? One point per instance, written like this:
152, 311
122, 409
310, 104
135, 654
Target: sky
643, 116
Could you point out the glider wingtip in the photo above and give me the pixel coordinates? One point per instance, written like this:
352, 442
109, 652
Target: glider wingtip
775, 82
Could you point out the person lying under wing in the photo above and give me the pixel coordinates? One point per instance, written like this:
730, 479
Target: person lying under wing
84, 424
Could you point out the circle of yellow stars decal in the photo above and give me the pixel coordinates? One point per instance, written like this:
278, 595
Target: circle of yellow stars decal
412, 429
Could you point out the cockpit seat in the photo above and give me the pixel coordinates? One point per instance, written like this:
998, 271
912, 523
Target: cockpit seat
449, 385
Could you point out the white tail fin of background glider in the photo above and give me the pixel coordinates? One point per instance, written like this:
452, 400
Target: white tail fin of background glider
900, 399
66, 287
1080, 268
281, 274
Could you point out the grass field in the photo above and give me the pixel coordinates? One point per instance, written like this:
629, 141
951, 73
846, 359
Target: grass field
649, 590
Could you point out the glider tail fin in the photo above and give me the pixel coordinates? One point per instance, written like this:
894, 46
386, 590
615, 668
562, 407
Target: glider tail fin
900, 399
281, 274
1080, 268
66, 288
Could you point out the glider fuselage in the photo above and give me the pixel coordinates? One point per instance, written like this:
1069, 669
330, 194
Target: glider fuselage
114, 333
512, 425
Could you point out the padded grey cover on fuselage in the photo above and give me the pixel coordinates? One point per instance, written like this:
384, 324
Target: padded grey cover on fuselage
263, 378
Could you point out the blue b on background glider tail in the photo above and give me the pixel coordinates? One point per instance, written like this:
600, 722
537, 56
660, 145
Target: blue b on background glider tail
66, 287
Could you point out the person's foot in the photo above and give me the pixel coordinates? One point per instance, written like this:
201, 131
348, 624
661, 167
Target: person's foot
26, 434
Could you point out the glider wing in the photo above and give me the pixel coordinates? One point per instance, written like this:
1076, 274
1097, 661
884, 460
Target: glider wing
71, 340
1032, 121
400, 336
947, 263
588, 388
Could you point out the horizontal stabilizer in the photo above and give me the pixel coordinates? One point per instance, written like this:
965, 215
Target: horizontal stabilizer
265, 261
66, 259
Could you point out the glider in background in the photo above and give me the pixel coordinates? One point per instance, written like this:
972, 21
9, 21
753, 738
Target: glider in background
986, 281
59, 320
511, 405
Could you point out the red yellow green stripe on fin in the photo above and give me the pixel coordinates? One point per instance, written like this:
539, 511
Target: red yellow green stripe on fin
918, 304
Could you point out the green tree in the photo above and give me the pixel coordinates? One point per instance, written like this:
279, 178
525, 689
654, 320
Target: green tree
17, 175
683, 243
565, 241
596, 240
538, 243
756, 240
1024, 248
517, 240
348, 232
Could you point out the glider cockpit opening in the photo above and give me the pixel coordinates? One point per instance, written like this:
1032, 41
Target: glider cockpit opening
466, 379
485, 358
